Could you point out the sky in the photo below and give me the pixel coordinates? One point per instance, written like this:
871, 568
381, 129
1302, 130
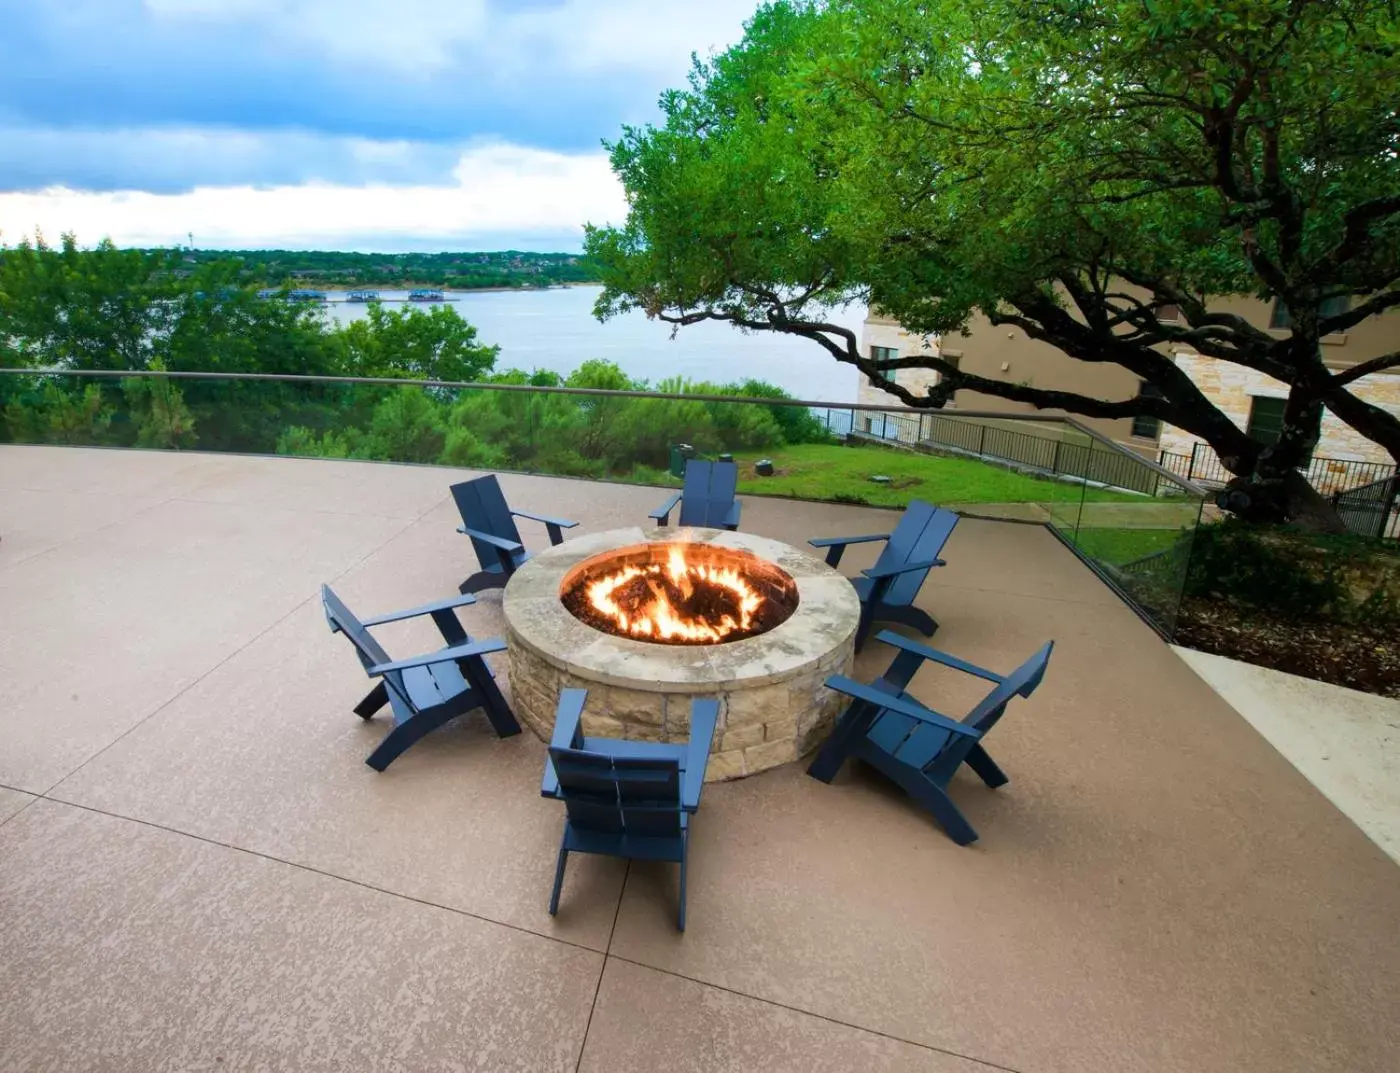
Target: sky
374, 125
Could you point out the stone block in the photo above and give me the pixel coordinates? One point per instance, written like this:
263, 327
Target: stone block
784, 729
769, 754
634, 706
641, 732
756, 706
725, 765
742, 737
601, 726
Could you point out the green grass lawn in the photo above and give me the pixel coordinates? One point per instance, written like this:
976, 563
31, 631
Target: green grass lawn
835, 472
1119, 546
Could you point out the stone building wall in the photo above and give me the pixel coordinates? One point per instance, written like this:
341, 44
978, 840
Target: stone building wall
1233, 388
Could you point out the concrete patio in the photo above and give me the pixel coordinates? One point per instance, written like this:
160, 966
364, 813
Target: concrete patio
198, 872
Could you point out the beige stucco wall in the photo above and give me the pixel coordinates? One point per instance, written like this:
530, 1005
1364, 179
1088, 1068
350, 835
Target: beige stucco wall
1006, 353
1003, 354
884, 332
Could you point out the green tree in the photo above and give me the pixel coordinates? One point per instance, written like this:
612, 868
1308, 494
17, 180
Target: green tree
1070, 167
53, 415
102, 308
426, 344
158, 411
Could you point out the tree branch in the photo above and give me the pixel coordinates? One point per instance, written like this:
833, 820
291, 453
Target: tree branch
1366, 368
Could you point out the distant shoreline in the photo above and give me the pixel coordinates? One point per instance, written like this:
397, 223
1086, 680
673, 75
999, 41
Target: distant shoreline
409, 285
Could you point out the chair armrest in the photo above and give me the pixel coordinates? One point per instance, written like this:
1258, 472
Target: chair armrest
827, 542
443, 655
555, 526
489, 538
902, 705
662, 514
547, 521
899, 641
837, 545
875, 572
568, 734
704, 715
426, 609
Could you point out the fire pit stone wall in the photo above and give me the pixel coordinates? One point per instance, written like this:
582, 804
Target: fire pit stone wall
774, 705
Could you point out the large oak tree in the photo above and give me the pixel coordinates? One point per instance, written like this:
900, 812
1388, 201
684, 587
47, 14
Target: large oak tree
1069, 167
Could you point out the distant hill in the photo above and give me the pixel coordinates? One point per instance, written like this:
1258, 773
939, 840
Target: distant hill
504, 268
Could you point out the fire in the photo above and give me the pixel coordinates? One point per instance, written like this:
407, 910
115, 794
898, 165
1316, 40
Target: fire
656, 600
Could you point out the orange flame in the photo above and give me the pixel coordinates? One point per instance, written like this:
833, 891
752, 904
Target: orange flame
658, 616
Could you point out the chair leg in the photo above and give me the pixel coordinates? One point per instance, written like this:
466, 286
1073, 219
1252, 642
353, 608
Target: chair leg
980, 762
493, 703
908, 615
481, 581
947, 814
558, 877
853, 722
375, 699
685, 854
400, 738
867, 618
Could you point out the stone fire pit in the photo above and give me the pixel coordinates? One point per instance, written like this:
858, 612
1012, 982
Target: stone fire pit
774, 706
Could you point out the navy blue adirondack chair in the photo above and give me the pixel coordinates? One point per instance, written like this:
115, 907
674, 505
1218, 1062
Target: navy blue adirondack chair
912, 744
426, 691
630, 799
707, 499
490, 523
889, 588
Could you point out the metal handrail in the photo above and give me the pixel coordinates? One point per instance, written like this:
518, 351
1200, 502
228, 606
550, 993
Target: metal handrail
465, 385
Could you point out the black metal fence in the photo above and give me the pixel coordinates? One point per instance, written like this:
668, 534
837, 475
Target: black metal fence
1052, 455
1364, 493
1328, 475
1370, 510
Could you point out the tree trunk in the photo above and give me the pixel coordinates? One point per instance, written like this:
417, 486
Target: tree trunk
1278, 499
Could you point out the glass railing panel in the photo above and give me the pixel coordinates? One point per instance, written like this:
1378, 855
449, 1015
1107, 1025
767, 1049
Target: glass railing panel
1142, 544
1131, 519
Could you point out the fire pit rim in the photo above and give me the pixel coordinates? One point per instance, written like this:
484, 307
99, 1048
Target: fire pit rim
826, 617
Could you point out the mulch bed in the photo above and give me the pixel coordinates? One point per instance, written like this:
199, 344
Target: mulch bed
1359, 657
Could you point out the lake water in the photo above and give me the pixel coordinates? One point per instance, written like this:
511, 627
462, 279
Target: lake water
555, 329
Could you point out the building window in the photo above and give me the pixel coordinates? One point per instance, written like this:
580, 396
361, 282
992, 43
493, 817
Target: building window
883, 353
1333, 307
1148, 428
1169, 313
1266, 421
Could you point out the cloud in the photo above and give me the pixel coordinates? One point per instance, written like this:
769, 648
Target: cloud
425, 35
560, 74
409, 36
499, 195
331, 122
170, 160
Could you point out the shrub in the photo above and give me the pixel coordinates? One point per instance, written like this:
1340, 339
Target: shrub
1288, 573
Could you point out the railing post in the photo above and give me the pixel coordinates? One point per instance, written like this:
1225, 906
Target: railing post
982, 439
1055, 462
1191, 465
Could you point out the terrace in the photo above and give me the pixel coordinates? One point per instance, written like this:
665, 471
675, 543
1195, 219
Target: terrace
198, 871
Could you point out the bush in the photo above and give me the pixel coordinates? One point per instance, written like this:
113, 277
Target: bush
1291, 574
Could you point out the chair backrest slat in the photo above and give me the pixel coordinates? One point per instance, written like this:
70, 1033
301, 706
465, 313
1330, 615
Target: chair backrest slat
708, 495
920, 535
619, 795
1023, 680
370, 651
483, 507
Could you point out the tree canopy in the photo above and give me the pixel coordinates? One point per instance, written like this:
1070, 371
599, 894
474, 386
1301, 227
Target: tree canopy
1070, 167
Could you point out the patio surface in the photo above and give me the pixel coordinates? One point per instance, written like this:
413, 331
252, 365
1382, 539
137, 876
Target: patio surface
210, 877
